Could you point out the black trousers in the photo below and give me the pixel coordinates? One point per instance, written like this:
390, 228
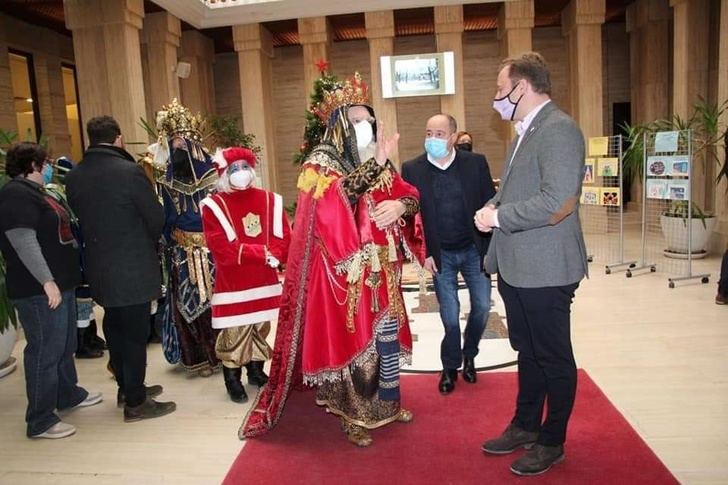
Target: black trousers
723, 282
539, 328
127, 329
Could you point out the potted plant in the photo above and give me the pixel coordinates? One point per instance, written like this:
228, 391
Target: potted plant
708, 136
8, 317
674, 224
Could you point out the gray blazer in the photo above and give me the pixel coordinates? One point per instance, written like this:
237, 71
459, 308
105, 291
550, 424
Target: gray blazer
540, 242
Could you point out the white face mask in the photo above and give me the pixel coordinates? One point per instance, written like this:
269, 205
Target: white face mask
242, 179
364, 134
505, 107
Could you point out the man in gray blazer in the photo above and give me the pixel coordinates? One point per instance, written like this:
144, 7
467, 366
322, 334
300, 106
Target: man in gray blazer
538, 251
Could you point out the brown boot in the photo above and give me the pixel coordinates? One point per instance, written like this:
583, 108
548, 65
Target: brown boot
149, 409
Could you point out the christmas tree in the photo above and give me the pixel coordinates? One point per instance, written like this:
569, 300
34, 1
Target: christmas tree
315, 128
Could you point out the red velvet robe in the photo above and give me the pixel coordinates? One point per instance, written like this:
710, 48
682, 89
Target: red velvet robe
315, 336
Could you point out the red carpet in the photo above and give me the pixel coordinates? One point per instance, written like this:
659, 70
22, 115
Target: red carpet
442, 444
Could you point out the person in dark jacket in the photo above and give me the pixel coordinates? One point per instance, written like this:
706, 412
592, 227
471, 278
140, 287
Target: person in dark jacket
41, 255
121, 220
453, 184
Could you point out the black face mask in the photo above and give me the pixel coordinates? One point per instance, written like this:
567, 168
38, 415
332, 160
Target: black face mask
181, 164
466, 147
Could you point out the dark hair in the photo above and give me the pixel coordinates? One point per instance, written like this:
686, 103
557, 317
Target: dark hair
20, 158
102, 129
462, 134
530, 66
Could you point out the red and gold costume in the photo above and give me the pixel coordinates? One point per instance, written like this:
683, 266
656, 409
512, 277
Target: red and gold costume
342, 325
247, 232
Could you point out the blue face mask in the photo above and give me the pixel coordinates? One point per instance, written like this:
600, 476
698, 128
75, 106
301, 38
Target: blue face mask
47, 173
436, 147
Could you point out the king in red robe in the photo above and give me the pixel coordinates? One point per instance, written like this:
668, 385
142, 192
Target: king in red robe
343, 327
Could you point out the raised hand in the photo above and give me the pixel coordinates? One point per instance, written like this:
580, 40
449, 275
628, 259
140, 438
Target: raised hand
385, 146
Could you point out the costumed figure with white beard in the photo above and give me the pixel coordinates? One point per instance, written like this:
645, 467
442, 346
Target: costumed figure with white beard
186, 177
248, 235
343, 327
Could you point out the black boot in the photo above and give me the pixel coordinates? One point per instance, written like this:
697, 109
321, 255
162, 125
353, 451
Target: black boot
233, 385
83, 351
92, 337
256, 376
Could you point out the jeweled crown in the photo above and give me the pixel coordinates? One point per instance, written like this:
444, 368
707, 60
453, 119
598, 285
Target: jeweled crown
354, 92
176, 120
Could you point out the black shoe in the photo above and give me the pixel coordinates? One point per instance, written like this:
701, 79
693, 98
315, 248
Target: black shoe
83, 351
447, 381
538, 460
233, 385
152, 391
256, 376
92, 337
469, 374
149, 409
511, 439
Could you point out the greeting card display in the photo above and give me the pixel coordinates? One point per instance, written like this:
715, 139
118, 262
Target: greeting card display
678, 189
590, 196
608, 167
588, 171
610, 196
657, 189
673, 165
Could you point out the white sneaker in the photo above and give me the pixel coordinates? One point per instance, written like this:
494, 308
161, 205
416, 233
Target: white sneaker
58, 430
92, 399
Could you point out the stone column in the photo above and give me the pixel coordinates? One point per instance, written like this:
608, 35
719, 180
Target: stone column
720, 243
254, 46
690, 80
198, 90
581, 23
160, 39
380, 34
8, 120
449, 33
515, 25
648, 23
108, 60
52, 103
313, 33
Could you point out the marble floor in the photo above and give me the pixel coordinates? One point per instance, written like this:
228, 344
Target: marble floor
658, 353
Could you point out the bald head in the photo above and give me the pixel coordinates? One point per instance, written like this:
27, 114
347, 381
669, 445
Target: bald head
443, 121
443, 127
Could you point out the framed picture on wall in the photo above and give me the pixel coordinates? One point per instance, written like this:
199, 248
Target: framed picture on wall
418, 75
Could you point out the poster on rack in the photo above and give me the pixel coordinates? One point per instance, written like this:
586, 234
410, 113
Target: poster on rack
657, 189
678, 189
610, 196
588, 171
666, 141
599, 146
608, 167
590, 195
668, 165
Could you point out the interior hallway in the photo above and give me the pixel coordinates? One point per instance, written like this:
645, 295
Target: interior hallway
659, 354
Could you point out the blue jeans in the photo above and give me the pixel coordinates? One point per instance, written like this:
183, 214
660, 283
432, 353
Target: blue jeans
466, 261
50, 371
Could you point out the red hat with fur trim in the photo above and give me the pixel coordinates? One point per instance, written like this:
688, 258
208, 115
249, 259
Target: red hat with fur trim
224, 158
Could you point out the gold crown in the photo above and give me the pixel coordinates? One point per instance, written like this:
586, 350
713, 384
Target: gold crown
354, 92
176, 120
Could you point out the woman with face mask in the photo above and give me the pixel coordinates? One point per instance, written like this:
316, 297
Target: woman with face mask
43, 271
342, 305
464, 141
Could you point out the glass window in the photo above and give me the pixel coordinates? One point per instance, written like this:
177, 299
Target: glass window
25, 95
72, 112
